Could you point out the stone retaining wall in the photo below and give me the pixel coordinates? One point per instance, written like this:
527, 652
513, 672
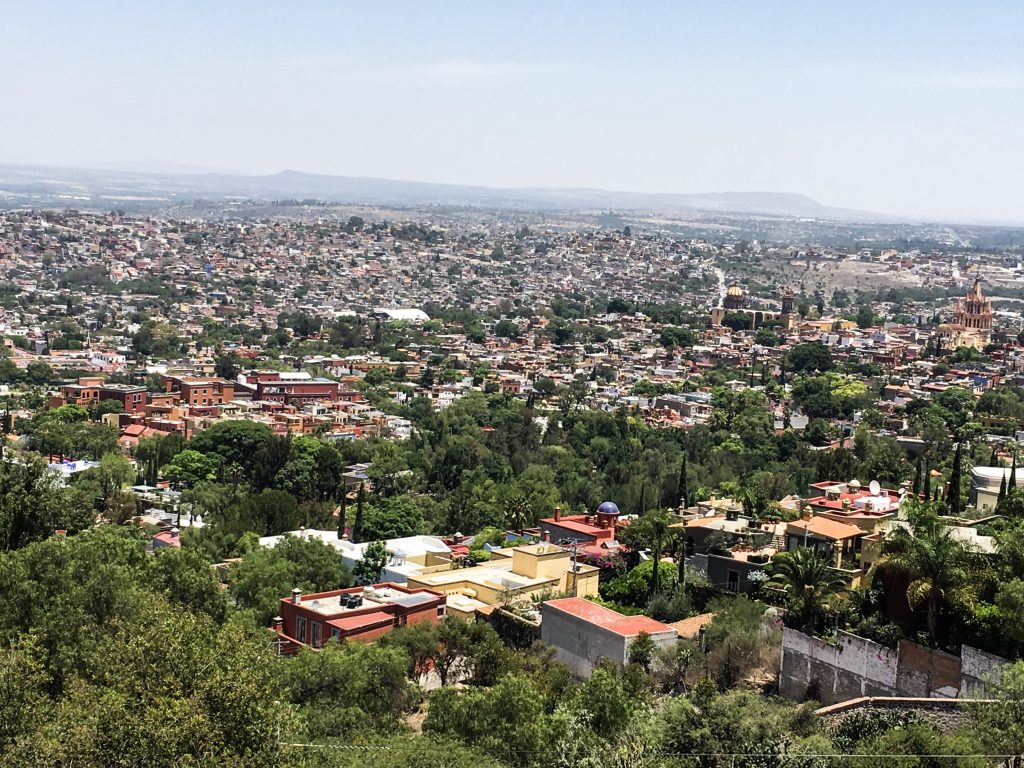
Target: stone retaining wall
945, 714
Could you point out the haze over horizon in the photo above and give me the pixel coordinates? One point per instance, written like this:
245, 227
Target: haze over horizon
908, 110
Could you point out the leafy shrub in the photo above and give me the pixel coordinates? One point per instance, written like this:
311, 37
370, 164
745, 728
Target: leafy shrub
868, 724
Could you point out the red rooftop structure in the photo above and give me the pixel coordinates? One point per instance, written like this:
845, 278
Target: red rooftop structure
852, 504
357, 613
584, 529
583, 633
595, 535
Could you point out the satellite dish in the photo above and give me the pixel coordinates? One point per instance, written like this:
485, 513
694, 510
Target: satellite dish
874, 487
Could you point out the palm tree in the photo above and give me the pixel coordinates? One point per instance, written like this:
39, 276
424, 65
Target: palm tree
943, 571
518, 511
810, 582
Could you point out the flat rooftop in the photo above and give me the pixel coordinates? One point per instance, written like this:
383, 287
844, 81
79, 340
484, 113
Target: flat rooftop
489, 575
606, 618
330, 604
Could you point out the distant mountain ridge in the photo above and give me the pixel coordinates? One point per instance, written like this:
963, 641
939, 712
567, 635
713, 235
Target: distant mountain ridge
86, 187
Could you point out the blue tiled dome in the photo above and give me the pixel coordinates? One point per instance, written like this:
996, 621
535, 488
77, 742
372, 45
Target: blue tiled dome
608, 508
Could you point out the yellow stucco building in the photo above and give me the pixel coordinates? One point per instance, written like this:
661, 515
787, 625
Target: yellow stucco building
511, 572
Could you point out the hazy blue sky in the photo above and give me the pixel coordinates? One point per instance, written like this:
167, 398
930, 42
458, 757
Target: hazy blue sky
900, 107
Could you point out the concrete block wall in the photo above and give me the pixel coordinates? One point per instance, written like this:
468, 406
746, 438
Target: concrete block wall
977, 670
855, 667
850, 668
925, 671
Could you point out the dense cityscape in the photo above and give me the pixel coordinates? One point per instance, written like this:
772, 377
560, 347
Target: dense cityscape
445, 487
521, 385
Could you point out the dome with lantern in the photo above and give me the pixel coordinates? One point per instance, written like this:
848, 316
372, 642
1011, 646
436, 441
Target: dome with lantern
735, 297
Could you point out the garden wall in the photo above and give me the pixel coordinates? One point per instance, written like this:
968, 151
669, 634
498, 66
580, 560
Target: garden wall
853, 667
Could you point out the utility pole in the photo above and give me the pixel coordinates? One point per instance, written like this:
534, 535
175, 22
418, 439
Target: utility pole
574, 547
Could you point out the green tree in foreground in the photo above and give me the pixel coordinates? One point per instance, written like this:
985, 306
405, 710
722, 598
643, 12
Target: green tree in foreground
368, 569
1000, 727
190, 468
266, 575
810, 583
651, 531
943, 571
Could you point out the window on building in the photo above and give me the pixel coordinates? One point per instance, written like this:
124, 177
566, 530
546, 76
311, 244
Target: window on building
300, 629
315, 641
440, 611
734, 581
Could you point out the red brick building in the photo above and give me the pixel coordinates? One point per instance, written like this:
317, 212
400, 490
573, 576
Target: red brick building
199, 391
91, 390
275, 387
357, 613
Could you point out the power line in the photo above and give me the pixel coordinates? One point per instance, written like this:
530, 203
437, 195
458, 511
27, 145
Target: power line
732, 755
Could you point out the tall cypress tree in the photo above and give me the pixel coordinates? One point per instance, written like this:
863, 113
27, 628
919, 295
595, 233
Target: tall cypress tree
342, 509
917, 478
643, 497
357, 524
927, 484
684, 497
1002, 491
1012, 485
953, 493
993, 460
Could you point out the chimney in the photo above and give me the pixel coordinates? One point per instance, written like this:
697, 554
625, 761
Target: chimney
808, 512
277, 624
547, 535
558, 514
296, 594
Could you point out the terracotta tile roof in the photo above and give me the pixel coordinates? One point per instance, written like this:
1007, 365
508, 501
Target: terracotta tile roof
826, 528
691, 627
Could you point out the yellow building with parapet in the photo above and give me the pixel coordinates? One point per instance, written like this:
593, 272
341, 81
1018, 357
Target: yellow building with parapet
513, 572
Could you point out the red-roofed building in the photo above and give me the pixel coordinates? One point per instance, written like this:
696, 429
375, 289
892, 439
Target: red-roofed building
596, 535
852, 504
167, 539
601, 526
357, 613
582, 633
